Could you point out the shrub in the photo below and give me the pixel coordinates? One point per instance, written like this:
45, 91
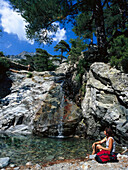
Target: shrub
119, 53
30, 75
1, 54
4, 65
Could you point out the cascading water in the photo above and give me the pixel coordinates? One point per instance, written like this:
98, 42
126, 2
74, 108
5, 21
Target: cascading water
58, 116
61, 110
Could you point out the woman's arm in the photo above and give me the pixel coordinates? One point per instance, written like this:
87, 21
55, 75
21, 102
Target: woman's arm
99, 142
109, 148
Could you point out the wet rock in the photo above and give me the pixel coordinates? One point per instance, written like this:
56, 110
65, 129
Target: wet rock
57, 115
4, 162
49, 158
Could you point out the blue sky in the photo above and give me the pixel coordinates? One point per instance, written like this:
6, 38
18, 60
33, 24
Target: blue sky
13, 37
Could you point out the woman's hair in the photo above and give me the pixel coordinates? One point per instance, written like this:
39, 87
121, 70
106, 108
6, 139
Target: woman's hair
109, 131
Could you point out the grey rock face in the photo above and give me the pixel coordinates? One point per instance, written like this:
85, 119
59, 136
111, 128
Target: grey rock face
20, 106
35, 104
106, 101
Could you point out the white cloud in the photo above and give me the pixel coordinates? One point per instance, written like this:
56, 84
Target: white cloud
13, 23
59, 35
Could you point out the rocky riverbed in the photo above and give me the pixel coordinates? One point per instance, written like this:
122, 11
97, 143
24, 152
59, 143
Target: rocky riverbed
75, 164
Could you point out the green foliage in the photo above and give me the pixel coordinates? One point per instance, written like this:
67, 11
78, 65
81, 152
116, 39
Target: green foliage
82, 91
119, 53
40, 61
84, 28
81, 68
115, 14
78, 45
40, 16
30, 75
4, 65
1, 54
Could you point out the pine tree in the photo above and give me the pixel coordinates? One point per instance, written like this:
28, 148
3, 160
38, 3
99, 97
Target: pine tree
40, 61
104, 18
62, 46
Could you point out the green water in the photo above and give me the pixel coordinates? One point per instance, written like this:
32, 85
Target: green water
22, 149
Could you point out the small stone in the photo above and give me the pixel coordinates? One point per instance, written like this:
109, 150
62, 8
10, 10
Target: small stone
92, 156
121, 166
38, 166
16, 168
85, 166
93, 161
12, 165
76, 136
61, 158
29, 164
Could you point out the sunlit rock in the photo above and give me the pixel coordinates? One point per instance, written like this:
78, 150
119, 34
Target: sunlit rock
106, 101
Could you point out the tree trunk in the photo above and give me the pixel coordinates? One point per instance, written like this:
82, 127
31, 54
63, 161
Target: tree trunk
100, 29
61, 56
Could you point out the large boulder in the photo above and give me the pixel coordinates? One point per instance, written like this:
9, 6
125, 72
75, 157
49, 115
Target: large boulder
106, 101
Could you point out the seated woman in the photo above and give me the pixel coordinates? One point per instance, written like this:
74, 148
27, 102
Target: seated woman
106, 154
110, 143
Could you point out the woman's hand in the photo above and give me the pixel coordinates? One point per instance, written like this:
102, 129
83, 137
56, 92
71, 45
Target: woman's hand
93, 145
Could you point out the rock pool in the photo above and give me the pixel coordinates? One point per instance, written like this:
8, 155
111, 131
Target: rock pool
35, 149
22, 149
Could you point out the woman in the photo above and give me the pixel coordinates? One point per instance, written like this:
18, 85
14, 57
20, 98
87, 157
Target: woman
110, 143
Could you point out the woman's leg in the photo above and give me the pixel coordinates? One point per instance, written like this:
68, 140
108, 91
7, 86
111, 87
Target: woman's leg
94, 149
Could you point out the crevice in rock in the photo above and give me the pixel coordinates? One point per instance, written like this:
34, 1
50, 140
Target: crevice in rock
13, 121
103, 80
20, 120
121, 102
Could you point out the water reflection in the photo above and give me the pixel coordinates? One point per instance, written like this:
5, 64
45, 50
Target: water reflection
22, 149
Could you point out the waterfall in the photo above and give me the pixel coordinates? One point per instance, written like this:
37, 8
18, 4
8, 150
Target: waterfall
61, 110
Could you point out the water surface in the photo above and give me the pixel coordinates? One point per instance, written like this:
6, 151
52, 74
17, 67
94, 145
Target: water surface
35, 149
22, 149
